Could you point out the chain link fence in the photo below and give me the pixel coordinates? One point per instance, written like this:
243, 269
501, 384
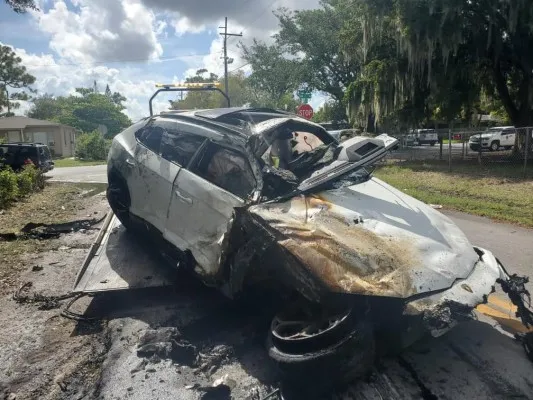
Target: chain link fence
478, 148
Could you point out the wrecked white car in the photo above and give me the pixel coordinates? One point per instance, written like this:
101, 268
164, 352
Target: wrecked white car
241, 198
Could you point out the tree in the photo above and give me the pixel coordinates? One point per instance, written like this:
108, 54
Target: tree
46, 107
12, 75
273, 73
331, 111
21, 6
196, 99
85, 111
493, 38
313, 38
108, 91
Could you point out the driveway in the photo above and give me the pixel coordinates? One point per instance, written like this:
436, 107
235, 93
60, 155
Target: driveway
89, 174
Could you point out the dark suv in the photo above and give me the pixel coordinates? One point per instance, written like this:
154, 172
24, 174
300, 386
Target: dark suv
16, 155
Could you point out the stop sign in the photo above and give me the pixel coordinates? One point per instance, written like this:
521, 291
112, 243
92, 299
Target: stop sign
305, 111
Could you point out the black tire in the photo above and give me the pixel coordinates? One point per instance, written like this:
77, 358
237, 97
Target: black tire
118, 197
349, 357
432, 143
508, 147
494, 146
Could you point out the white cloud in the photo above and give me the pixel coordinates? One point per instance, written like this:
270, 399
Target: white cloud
184, 25
116, 30
101, 30
248, 13
62, 79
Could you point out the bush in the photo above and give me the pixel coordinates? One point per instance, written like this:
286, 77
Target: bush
9, 189
92, 146
15, 185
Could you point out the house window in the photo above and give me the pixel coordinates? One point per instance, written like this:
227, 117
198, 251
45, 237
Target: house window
13, 136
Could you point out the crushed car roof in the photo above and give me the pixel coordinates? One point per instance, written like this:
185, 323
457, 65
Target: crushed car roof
252, 115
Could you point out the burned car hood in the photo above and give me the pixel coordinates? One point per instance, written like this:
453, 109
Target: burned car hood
370, 239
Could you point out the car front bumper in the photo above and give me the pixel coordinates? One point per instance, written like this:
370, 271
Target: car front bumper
441, 311
477, 146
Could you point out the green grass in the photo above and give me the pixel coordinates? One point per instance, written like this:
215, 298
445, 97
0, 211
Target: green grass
445, 141
74, 162
499, 191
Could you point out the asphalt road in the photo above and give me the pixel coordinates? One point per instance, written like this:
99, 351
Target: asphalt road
426, 152
512, 245
89, 174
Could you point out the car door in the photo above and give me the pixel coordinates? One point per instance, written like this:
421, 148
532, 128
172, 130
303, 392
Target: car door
508, 137
152, 175
218, 180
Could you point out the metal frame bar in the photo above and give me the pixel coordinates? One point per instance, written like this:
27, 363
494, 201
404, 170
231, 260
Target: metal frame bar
202, 89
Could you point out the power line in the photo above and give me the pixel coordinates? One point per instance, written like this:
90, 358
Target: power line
242, 66
170, 58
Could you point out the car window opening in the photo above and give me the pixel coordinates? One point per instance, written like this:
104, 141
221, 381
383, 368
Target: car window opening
226, 169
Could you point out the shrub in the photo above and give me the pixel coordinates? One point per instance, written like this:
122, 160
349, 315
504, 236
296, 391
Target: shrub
25, 183
92, 146
15, 185
30, 179
9, 189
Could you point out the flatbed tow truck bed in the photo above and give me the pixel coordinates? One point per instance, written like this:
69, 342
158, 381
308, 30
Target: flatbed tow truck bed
117, 261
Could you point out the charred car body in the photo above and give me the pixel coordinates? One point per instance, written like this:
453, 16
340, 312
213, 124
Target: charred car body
255, 196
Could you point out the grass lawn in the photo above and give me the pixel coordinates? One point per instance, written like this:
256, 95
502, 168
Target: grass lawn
73, 162
497, 191
445, 141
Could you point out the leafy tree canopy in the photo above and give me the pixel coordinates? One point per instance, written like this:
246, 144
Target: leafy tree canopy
21, 6
13, 75
84, 111
241, 92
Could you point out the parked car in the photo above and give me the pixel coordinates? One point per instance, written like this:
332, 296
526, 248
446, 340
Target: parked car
425, 136
240, 198
344, 134
494, 139
16, 155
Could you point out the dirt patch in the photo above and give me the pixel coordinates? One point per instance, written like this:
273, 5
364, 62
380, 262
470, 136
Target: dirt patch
43, 355
57, 203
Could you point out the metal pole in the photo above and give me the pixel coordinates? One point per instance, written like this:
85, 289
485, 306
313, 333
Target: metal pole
526, 152
7, 102
450, 148
226, 55
226, 34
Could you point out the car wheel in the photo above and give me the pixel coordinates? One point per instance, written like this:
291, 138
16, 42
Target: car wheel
494, 146
118, 197
432, 143
315, 353
508, 147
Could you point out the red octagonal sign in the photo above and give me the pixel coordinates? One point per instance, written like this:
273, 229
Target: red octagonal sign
305, 111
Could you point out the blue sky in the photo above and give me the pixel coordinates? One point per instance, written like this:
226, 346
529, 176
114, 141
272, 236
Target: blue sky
133, 44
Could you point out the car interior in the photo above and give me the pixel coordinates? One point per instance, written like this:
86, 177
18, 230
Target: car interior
226, 169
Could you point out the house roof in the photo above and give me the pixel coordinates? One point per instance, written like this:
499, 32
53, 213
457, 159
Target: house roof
18, 123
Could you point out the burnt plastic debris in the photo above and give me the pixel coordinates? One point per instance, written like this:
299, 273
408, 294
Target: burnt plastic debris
166, 343
515, 287
49, 231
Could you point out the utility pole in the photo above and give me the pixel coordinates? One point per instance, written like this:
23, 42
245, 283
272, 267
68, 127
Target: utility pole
226, 34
